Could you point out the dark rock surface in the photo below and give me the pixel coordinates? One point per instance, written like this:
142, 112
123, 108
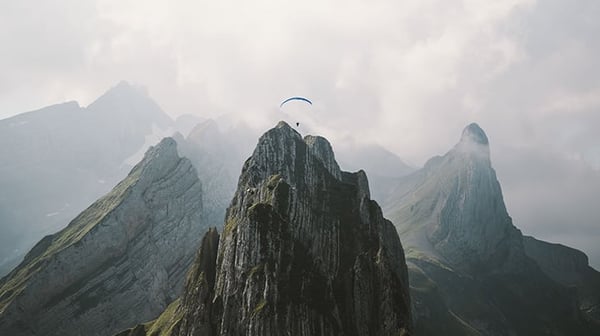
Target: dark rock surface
304, 251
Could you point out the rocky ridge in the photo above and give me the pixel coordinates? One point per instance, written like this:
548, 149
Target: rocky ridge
304, 251
121, 261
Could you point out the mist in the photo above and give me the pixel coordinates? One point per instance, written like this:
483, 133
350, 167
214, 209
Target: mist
407, 76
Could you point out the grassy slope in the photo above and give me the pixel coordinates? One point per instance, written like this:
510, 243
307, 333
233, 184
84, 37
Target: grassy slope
14, 283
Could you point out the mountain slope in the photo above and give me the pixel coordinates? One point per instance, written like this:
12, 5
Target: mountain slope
59, 159
569, 267
121, 261
465, 254
304, 251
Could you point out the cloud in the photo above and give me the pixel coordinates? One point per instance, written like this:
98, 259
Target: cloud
551, 196
408, 75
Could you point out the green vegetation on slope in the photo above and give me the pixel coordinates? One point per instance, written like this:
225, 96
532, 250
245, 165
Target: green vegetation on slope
165, 323
15, 282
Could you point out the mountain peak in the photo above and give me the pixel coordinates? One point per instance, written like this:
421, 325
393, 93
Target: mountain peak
160, 158
474, 143
124, 89
288, 130
125, 86
123, 92
473, 133
126, 103
461, 244
304, 250
166, 147
279, 147
456, 203
282, 124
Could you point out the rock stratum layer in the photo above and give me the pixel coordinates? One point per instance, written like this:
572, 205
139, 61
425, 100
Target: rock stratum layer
120, 262
468, 267
304, 251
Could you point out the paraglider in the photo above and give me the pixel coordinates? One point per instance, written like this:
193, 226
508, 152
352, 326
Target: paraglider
295, 98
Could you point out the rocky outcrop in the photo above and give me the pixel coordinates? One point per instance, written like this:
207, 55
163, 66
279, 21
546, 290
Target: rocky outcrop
468, 268
121, 261
304, 251
571, 268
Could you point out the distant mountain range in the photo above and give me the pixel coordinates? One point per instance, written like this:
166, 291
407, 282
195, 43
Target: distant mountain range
59, 159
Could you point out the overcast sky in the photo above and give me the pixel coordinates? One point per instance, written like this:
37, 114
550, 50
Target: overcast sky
406, 74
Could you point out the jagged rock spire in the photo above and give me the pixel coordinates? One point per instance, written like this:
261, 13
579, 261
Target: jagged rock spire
469, 271
304, 251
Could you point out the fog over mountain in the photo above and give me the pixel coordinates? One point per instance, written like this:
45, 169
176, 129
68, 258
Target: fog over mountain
471, 270
403, 75
120, 261
59, 159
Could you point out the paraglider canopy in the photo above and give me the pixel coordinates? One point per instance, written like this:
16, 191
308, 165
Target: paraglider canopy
295, 98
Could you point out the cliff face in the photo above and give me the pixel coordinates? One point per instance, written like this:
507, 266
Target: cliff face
304, 251
465, 255
121, 261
